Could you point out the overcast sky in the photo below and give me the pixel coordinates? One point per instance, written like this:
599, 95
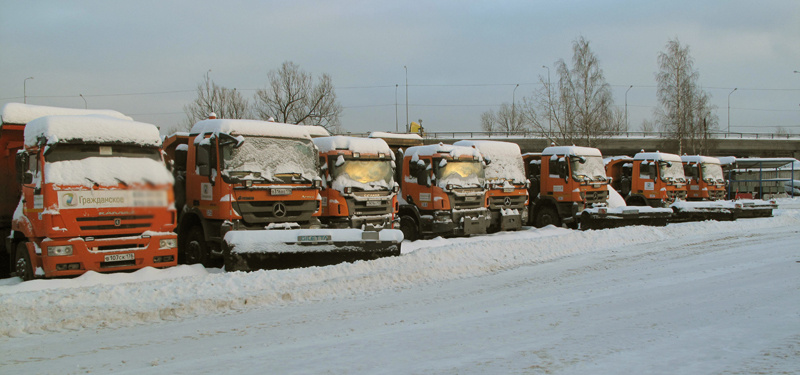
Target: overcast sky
146, 58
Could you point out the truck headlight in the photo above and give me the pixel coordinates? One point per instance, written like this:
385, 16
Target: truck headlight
55, 251
167, 243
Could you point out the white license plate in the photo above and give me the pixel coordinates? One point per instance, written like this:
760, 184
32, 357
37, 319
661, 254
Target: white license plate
280, 191
319, 238
118, 257
373, 203
471, 198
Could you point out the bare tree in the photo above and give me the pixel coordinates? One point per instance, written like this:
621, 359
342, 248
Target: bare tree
222, 101
506, 119
292, 96
685, 112
579, 109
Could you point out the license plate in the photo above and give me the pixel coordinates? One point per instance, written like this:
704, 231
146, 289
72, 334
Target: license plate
118, 257
373, 203
280, 191
508, 190
319, 238
471, 198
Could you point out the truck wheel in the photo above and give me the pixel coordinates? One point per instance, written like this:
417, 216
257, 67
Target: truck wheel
547, 216
22, 263
409, 228
196, 248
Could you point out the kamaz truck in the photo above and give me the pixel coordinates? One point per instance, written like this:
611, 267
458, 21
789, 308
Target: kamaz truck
82, 191
250, 193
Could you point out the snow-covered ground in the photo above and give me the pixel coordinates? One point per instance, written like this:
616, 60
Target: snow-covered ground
691, 298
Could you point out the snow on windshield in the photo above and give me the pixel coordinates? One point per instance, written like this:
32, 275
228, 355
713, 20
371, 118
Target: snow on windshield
366, 174
505, 160
592, 167
272, 156
671, 170
712, 171
106, 171
460, 173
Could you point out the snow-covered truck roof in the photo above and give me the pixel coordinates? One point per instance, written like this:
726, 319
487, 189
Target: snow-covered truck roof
251, 127
90, 129
700, 159
317, 131
361, 145
441, 148
18, 113
506, 158
656, 156
571, 150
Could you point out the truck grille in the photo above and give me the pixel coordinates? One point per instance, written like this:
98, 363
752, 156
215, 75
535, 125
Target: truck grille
120, 225
264, 212
596, 196
517, 201
466, 202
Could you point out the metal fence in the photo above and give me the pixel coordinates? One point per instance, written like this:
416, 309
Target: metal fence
543, 135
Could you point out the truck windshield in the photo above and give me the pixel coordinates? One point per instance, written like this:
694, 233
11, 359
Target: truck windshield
712, 172
671, 170
592, 168
461, 173
364, 173
106, 165
274, 159
504, 168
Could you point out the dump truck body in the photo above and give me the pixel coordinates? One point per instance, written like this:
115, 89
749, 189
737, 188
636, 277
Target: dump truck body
261, 177
443, 192
507, 193
93, 194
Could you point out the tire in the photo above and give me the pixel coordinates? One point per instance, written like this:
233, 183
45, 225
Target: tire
409, 228
195, 249
22, 263
547, 216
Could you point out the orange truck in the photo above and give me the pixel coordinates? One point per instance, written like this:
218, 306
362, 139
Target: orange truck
358, 187
568, 185
82, 191
657, 179
249, 194
443, 192
706, 181
507, 194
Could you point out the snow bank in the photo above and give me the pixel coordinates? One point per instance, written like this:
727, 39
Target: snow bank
505, 157
18, 113
148, 296
251, 127
91, 129
361, 145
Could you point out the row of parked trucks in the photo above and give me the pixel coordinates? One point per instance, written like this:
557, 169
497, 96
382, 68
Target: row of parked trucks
97, 191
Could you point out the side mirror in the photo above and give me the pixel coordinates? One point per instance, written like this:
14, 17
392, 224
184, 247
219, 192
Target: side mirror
487, 160
24, 176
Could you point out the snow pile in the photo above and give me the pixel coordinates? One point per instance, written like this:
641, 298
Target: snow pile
18, 113
91, 129
250, 127
93, 301
106, 171
373, 146
505, 160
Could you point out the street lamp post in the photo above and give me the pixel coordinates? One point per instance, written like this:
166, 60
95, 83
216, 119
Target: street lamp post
25, 90
729, 109
549, 105
626, 108
396, 121
406, 68
513, 102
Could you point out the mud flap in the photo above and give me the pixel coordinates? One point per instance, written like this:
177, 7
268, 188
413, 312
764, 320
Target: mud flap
281, 249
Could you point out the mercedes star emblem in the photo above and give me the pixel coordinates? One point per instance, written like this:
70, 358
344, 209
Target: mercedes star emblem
507, 201
279, 210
